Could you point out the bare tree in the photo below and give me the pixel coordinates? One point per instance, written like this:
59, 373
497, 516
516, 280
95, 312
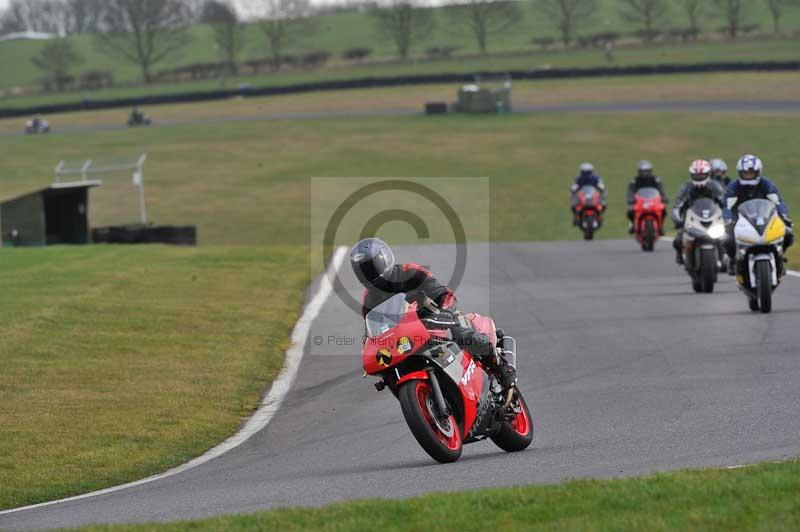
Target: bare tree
404, 23
733, 10
776, 8
55, 60
693, 10
229, 32
144, 32
285, 21
644, 12
567, 14
47, 16
84, 16
486, 17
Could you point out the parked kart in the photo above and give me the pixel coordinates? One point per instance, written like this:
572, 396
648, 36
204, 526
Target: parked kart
759, 234
447, 397
589, 208
139, 120
703, 234
37, 126
648, 217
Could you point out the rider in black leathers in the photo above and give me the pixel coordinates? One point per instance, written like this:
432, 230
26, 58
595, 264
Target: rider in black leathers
373, 264
699, 186
645, 178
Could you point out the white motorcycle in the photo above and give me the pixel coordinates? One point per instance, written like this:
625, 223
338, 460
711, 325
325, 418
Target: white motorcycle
759, 234
703, 232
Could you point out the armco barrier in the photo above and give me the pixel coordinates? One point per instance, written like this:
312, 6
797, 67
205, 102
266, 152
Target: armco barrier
396, 81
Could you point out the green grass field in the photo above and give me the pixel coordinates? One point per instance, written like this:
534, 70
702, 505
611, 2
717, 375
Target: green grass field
763, 497
155, 354
342, 31
121, 362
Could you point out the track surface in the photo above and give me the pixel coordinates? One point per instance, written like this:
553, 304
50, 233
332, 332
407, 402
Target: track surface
626, 369
654, 106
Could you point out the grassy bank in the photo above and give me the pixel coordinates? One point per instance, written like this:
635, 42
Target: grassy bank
724, 51
763, 497
121, 362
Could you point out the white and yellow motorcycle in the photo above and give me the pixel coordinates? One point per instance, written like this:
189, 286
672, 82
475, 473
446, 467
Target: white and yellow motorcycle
759, 234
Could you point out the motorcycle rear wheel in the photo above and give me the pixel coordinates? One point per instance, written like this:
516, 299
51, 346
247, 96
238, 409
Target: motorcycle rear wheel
441, 439
517, 434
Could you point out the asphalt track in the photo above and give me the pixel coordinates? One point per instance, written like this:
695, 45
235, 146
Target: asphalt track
626, 369
748, 106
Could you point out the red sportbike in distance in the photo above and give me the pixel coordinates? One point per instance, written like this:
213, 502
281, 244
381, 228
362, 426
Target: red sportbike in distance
447, 398
648, 216
589, 209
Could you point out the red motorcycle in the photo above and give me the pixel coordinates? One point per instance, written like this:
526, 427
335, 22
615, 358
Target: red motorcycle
589, 207
447, 397
648, 217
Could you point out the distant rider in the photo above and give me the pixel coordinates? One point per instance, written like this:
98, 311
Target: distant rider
645, 178
373, 264
586, 177
719, 172
700, 185
751, 185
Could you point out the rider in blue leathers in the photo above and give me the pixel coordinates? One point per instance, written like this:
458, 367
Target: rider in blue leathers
751, 185
586, 177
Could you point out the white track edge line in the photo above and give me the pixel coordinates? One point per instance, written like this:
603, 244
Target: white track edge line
790, 273
269, 405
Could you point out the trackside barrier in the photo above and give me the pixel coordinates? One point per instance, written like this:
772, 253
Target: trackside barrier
397, 81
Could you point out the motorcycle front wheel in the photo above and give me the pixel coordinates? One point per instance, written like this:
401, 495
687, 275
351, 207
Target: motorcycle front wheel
516, 434
764, 283
440, 438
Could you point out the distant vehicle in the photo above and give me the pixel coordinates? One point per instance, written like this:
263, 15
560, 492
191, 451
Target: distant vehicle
759, 234
138, 118
648, 216
37, 126
589, 209
703, 233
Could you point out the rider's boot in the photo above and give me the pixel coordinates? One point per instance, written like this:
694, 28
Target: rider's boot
506, 361
630, 228
679, 257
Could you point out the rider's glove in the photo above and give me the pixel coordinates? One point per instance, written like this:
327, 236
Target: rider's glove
445, 319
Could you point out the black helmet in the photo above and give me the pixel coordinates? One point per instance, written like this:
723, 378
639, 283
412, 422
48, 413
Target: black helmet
371, 259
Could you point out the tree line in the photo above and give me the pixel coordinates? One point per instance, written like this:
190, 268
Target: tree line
148, 32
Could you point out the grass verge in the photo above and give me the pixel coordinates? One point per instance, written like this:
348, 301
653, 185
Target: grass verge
121, 362
762, 497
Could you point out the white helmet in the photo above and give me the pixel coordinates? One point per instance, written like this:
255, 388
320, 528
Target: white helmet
700, 172
718, 165
645, 168
586, 169
749, 163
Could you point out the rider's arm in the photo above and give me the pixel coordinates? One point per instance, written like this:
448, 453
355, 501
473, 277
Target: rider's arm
677, 209
631, 191
424, 281
775, 197
663, 192
729, 202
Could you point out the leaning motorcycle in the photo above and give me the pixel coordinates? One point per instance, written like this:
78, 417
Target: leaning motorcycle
648, 216
759, 233
589, 209
703, 233
447, 397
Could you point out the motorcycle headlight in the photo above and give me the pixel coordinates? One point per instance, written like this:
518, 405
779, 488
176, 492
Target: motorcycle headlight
716, 231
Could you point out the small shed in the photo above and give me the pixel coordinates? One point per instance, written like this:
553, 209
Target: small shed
58, 214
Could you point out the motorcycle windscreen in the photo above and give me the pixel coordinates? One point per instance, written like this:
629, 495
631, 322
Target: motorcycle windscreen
705, 209
648, 193
588, 193
758, 212
386, 316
